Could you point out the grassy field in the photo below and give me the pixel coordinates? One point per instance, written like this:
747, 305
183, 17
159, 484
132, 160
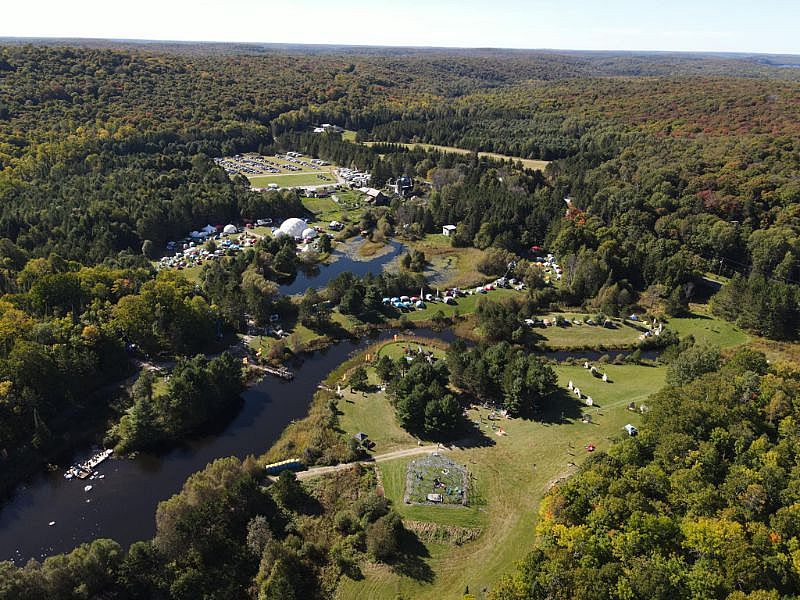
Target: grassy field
708, 329
371, 413
508, 476
528, 163
292, 179
192, 273
464, 306
320, 205
348, 209
572, 336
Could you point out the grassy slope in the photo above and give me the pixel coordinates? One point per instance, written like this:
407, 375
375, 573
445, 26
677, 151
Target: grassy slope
511, 475
710, 330
326, 210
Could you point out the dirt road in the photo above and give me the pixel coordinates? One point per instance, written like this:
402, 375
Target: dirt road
316, 471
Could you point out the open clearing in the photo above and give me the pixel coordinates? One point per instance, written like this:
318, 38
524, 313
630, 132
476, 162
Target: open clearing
622, 334
371, 413
528, 163
707, 329
344, 206
508, 477
292, 179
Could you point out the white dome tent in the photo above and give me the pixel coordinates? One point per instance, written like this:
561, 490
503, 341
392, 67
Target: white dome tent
293, 227
229, 228
309, 233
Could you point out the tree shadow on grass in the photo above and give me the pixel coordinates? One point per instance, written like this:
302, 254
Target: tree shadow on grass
560, 407
411, 559
471, 436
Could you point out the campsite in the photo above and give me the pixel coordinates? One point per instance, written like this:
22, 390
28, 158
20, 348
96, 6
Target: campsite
328, 321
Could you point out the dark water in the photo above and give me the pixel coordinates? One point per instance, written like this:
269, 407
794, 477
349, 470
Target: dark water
320, 276
122, 506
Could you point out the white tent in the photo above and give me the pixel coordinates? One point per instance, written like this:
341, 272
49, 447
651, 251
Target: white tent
230, 228
309, 233
293, 227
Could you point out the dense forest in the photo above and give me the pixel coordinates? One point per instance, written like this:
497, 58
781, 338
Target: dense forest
680, 169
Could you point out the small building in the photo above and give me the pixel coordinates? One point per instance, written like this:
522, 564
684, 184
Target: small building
448, 230
374, 196
403, 186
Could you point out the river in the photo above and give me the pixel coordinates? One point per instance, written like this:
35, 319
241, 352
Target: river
122, 505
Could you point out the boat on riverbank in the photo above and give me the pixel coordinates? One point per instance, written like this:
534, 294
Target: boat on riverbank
85, 469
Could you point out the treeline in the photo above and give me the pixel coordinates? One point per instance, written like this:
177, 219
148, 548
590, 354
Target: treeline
198, 392
701, 504
422, 402
767, 307
505, 375
109, 204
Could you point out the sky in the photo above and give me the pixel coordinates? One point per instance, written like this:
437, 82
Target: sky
768, 26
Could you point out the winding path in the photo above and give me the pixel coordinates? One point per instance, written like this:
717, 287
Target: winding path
317, 471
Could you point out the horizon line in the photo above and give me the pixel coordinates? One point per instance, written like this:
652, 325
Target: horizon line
398, 47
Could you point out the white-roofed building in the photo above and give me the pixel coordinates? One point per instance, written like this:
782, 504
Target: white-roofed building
293, 227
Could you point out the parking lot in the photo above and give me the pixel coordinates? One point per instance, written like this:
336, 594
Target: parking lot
291, 169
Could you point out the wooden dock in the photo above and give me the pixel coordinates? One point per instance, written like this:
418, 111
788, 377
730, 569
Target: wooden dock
281, 372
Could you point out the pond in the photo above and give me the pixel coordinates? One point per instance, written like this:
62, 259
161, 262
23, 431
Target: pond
318, 276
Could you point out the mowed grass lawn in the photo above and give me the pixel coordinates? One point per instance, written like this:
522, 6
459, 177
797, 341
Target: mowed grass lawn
292, 179
320, 205
509, 476
349, 208
464, 305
